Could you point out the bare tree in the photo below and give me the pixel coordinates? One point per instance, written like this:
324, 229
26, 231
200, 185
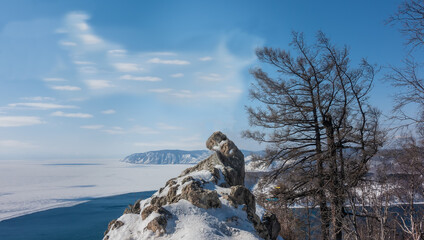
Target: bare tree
410, 91
409, 187
410, 16
313, 113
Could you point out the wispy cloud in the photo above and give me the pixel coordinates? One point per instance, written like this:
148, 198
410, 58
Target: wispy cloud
160, 90
114, 131
92, 127
117, 52
71, 115
54, 79
82, 26
65, 88
18, 121
83, 63
144, 130
213, 77
98, 84
15, 144
68, 43
144, 78
204, 59
163, 53
171, 62
88, 70
90, 39
127, 67
109, 111
183, 94
38, 98
177, 75
43, 106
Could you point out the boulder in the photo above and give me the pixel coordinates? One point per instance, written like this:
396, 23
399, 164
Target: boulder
226, 155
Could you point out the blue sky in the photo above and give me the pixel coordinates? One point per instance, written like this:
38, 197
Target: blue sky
108, 78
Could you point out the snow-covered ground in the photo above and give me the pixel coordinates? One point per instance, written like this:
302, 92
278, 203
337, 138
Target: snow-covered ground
31, 186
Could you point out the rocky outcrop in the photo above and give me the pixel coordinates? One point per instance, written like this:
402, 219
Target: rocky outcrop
210, 194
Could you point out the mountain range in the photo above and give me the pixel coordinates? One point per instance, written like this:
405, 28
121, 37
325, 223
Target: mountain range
176, 156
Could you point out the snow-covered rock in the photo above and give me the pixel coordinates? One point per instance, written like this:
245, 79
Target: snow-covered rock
167, 157
207, 201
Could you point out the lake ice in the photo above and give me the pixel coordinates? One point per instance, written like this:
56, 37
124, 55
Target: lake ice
28, 186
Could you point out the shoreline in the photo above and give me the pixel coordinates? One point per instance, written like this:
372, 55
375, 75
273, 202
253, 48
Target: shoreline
67, 204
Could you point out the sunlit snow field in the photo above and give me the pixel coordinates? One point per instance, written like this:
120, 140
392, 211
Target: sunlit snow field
31, 186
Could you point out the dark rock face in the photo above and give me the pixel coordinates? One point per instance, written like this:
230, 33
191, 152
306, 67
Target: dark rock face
272, 225
224, 168
152, 208
200, 197
157, 225
135, 209
114, 224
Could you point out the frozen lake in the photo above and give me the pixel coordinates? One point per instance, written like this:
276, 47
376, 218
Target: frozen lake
85, 221
32, 186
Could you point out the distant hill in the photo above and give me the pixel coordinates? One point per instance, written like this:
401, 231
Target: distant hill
175, 156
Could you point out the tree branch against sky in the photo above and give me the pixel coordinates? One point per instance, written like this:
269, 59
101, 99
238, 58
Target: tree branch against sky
314, 114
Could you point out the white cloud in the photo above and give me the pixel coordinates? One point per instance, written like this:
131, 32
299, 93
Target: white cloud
115, 131
163, 53
88, 70
177, 75
77, 17
43, 106
117, 52
204, 59
66, 88
18, 121
213, 77
127, 67
67, 43
92, 127
71, 115
98, 84
54, 79
160, 90
144, 78
82, 26
144, 130
183, 94
109, 111
38, 98
15, 144
83, 63
90, 39
171, 62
